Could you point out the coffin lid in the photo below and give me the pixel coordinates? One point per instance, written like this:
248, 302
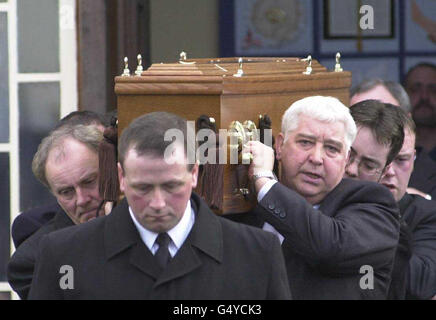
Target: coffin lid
217, 76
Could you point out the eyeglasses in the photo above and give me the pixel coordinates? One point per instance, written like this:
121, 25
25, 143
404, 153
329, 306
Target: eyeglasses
365, 167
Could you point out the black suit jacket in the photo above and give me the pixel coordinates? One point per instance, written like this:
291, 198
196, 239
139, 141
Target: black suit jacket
420, 216
22, 262
220, 259
397, 288
28, 222
355, 226
423, 175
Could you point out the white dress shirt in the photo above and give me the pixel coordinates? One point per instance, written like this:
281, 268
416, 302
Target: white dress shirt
178, 233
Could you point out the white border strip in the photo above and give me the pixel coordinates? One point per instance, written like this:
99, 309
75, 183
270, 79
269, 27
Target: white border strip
13, 125
5, 147
4, 7
13, 113
68, 56
38, 77
5, 287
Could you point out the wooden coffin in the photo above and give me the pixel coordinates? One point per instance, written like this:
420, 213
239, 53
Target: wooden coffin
226, 90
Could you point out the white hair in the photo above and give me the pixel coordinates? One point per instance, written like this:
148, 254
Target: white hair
324, 109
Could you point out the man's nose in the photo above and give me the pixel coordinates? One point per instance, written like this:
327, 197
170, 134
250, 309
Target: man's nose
424, 94
389, 171
352, 170
83, 197
157, 202
316, 155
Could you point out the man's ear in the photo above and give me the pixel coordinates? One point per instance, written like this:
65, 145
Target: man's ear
280, 139
414, 158
121, 177
347, 160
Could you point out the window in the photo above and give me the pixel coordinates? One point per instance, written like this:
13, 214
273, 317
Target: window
37, 87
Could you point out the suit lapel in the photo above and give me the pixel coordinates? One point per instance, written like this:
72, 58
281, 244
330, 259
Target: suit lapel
184, 262
122, 235
204, 240
143, 259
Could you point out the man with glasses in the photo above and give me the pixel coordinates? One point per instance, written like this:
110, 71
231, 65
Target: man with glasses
419, 219
379, 139
423, 178
414, 275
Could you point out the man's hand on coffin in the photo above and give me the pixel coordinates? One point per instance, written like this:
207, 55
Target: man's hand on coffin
263, 161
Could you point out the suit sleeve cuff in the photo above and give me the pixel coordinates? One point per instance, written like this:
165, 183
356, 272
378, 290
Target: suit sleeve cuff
264, 190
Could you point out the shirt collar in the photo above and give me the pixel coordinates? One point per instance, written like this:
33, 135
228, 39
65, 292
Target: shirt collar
178, 233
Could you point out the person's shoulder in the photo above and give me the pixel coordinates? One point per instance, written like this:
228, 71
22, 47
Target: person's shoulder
38, 215
420, 210
250, 218
29, 221
76, 234
34, 239
90, 229
360, 196
233, 232
421, 202
348, 183
240, 232
364, 190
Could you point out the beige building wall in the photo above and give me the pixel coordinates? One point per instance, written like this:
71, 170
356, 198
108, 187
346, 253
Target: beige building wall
189, 25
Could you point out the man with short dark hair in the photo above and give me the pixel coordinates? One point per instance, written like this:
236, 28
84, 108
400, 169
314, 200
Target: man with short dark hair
161, 241
419, 216
380, 136
423, 179
420, 84
379, 139
414, 273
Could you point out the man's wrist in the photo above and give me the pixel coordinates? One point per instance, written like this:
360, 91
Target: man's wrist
264, 174
261, 178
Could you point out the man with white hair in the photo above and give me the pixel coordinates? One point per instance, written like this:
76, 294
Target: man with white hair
338, 235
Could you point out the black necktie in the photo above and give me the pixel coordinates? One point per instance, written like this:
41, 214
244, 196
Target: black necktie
162, 254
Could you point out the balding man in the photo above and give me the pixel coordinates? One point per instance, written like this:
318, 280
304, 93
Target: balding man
67, 164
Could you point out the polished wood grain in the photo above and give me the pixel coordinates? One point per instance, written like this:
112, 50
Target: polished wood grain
208, 87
